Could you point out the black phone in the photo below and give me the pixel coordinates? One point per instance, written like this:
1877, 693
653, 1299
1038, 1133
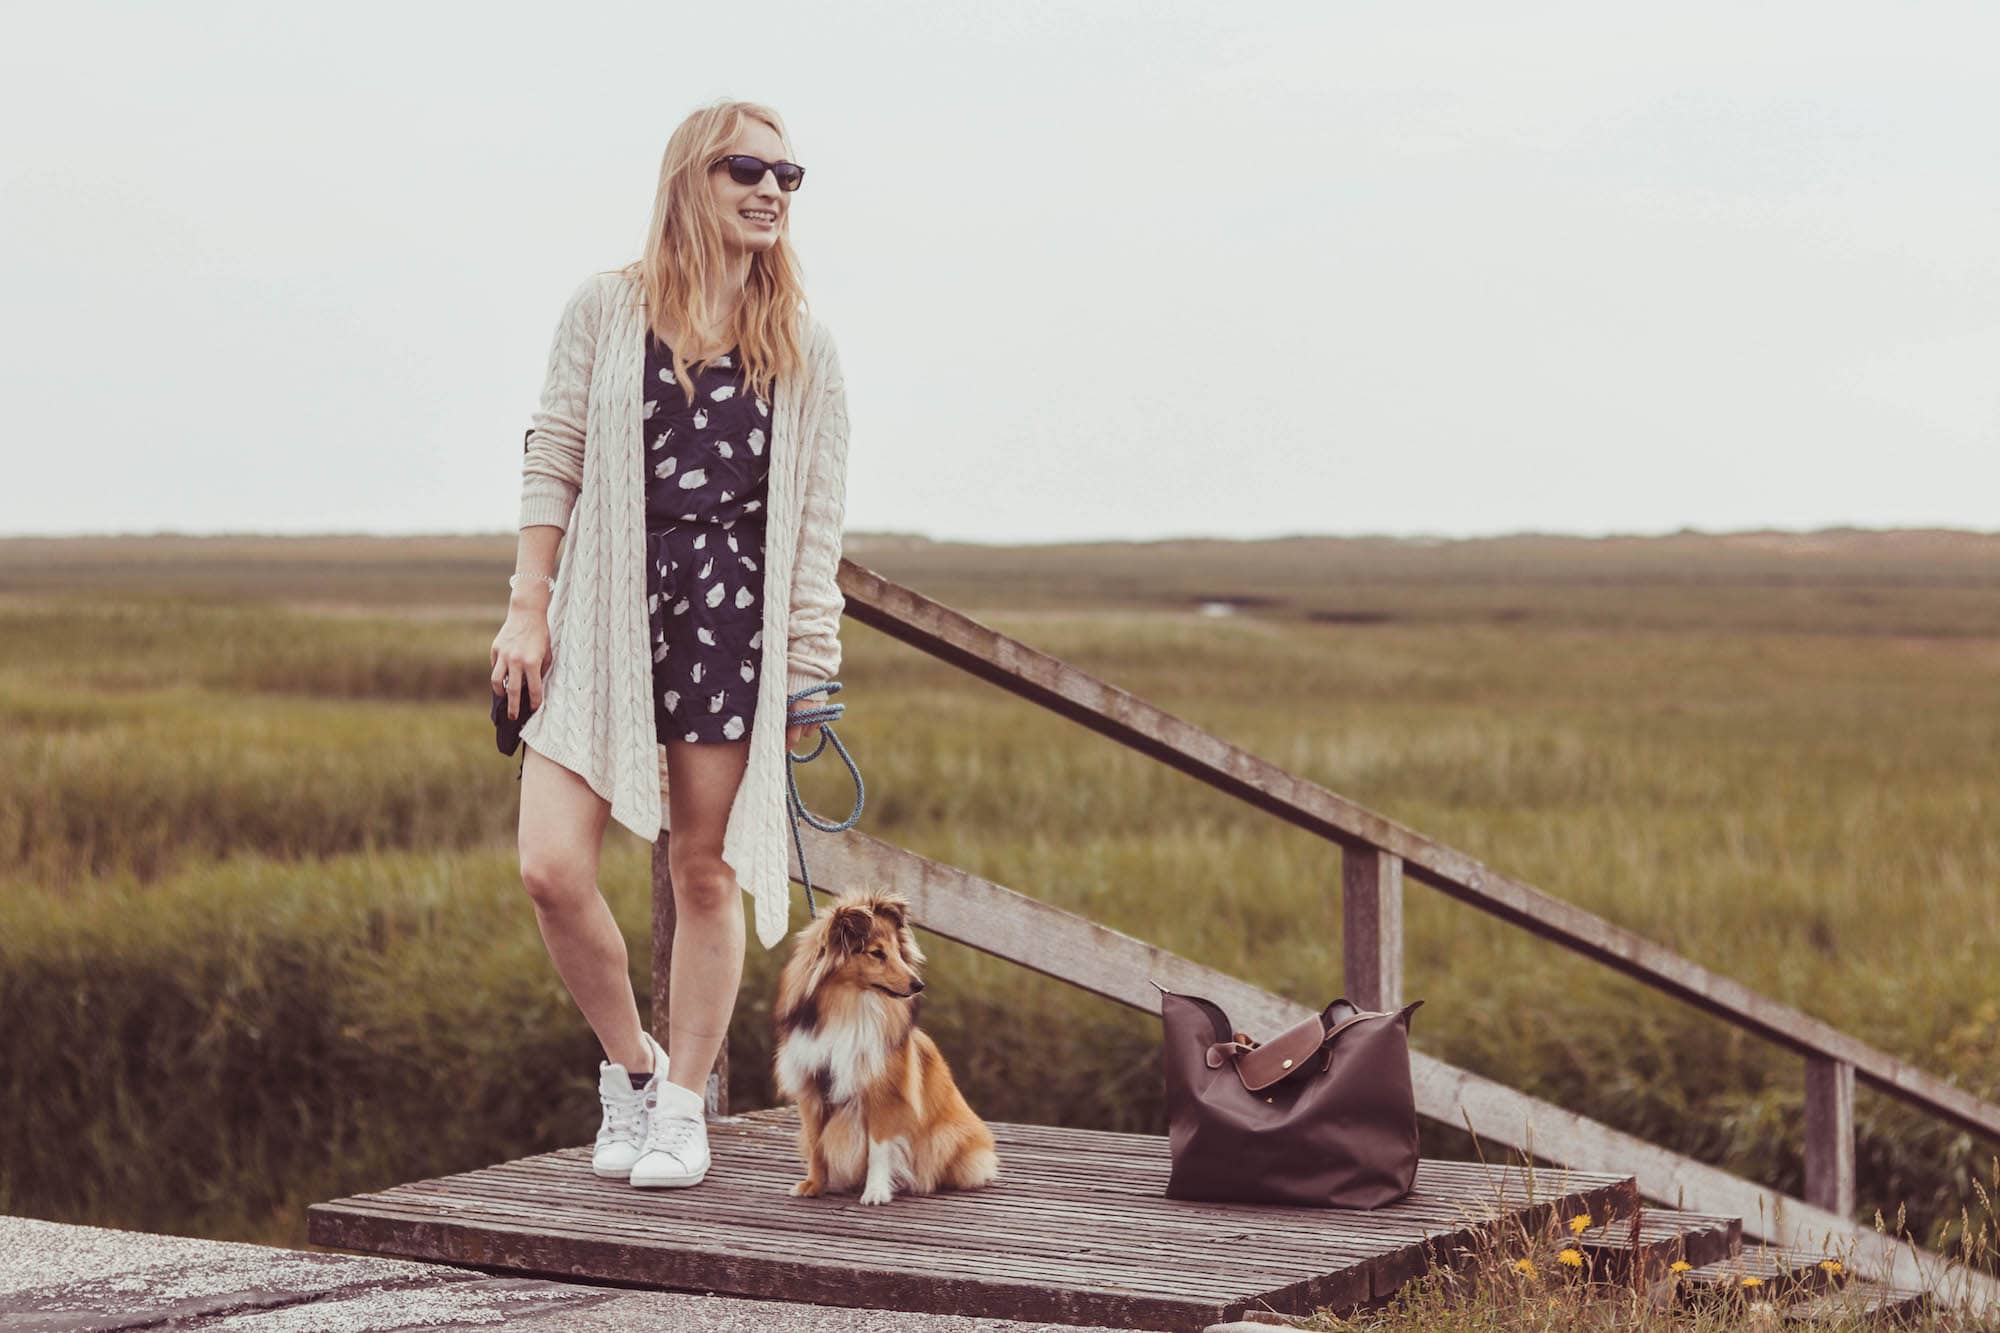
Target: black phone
506, 730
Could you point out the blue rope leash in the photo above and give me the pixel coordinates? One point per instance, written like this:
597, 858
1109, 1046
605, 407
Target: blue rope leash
824, 714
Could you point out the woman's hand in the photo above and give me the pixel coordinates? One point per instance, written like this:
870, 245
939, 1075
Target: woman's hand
796, 732
520, 650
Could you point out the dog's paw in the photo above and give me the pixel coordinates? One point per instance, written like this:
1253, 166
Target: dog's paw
875, 1194
806, 1189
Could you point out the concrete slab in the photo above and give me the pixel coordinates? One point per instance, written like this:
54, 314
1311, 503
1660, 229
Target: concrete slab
56, 1275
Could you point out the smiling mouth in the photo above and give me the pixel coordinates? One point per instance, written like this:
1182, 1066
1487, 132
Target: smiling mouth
901, 995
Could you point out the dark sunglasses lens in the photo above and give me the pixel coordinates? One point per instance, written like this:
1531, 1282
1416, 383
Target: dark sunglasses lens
749, 170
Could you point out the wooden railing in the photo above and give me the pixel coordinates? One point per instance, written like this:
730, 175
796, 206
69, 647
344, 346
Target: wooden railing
1377, 855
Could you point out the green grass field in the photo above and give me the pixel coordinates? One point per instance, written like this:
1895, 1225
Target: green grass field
262, 939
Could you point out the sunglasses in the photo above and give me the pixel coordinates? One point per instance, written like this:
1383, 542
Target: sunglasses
747, 170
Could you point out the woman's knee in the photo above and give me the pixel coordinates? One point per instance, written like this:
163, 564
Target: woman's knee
556, 875
702, 883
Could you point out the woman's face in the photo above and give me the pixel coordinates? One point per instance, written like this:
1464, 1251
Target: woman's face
739, 204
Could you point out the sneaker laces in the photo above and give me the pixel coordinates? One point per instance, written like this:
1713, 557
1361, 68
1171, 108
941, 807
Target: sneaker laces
623, 1116
672, 1134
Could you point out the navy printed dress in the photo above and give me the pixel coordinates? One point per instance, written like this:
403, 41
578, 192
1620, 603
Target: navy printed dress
708, 468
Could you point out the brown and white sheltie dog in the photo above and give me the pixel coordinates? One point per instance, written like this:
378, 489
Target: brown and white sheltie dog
876, 1101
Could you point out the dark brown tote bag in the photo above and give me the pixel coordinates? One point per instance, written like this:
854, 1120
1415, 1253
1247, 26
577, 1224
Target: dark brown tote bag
1322, 1114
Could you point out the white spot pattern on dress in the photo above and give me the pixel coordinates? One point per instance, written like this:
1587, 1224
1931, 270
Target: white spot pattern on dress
704, 581
665, 467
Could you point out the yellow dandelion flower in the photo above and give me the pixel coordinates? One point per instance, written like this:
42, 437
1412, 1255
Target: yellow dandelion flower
1680, 1265
1525, 1266
1830, 1265
1753, 1281
1579, 1222
1573, 1258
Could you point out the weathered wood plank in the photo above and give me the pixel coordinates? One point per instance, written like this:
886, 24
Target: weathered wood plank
1137, 1222
1830, 1134
726, 1264
1662, 1236
1371, 915
1039, 1186
1039, 1243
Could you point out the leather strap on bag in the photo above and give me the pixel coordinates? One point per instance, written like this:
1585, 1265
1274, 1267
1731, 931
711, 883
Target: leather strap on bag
1292, 1051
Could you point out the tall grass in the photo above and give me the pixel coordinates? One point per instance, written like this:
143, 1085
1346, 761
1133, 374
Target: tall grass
262, 940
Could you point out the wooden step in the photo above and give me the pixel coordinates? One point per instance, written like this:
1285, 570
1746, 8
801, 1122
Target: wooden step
1664, 1235
1859, 1298
1763, 1273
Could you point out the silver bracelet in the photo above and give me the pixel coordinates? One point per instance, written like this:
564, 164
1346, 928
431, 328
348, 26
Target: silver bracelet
515, 581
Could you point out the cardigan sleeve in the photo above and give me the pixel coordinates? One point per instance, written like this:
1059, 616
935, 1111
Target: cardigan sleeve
552, 468
813, 654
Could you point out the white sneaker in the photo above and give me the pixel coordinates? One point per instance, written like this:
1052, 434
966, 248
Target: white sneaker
622, 1135
676, 1143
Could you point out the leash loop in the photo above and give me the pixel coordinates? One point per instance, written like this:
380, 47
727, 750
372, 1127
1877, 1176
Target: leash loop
824, 714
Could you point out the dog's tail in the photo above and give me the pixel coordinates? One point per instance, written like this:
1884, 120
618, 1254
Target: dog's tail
974, 1167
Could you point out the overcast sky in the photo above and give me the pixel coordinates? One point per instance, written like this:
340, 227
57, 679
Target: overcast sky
1097, 270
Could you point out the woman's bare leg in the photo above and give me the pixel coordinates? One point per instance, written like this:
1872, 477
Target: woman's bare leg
561, 839
707, 964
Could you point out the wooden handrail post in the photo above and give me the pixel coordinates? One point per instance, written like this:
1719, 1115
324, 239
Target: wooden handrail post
1371, 927
717, 1092
1830, 1134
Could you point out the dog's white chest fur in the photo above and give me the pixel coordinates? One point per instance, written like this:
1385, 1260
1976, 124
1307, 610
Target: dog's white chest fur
853, 1049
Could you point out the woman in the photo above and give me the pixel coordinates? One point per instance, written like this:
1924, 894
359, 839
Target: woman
689, 457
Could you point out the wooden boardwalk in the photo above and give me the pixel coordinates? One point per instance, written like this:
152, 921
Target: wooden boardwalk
1077, 1230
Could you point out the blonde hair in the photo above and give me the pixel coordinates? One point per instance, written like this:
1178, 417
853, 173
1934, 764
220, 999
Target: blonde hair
684, 246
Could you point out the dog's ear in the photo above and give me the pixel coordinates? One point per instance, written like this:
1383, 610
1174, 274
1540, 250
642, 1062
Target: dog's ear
896, 910
850, 927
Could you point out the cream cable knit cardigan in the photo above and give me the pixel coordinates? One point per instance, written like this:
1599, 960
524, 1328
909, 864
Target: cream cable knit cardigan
583, 473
